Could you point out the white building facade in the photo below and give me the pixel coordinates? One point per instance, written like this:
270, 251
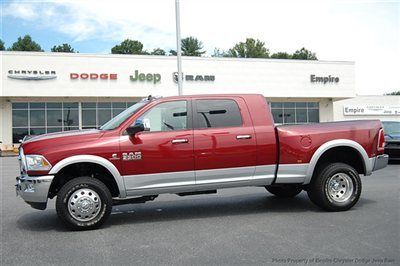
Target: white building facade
49, 92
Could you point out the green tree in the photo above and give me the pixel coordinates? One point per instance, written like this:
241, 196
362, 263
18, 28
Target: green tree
191, 46
172, 52
128, 47
281, 55
304, 54
218, 53
158, 51
393, 93
2, 48
63, 48
251, 48
25, 44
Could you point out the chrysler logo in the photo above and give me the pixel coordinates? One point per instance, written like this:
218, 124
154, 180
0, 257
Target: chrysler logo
32, 74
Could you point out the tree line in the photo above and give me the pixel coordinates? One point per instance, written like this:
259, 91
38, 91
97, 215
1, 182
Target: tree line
191, 46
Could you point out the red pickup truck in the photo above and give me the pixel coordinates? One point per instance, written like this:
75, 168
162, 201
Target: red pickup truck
190, 145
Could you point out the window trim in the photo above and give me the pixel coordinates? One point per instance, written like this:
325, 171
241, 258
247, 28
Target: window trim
195, 122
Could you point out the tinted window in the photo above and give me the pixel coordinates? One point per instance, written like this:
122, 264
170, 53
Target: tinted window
217, 113
167, 116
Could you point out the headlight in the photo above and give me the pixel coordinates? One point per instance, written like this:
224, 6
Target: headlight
37, 163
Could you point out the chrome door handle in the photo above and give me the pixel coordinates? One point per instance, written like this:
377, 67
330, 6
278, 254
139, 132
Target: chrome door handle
243, 137
176, 141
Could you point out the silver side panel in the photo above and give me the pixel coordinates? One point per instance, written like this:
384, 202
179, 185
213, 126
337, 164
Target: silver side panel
224, 175
264, 175
291, 173
176, 182
158, 180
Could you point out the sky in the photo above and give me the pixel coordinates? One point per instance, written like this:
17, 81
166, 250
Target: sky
366, 32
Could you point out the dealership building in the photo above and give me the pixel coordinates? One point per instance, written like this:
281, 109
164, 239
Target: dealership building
49, 92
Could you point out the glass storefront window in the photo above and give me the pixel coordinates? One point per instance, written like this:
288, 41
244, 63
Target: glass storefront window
35, 118
39, 117
295, 112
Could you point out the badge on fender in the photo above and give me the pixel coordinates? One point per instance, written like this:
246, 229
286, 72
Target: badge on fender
132, 156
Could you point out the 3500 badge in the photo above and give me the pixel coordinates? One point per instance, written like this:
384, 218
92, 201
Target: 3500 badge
132, 156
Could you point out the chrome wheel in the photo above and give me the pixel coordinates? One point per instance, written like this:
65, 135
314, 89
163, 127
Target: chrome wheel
84, 204
339, 187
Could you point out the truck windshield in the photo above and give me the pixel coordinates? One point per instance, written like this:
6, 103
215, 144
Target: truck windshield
119, 119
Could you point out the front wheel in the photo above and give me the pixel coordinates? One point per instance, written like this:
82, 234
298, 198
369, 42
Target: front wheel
337, 187
84, 203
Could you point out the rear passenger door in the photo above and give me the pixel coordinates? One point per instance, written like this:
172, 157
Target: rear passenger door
224, 140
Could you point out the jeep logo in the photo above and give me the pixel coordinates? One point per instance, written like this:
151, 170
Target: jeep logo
149, 77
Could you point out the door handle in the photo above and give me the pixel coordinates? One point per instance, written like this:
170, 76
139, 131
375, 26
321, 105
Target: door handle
243, 137
177, 141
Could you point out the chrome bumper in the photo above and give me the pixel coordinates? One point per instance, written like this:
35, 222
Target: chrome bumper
34, 189
381, 161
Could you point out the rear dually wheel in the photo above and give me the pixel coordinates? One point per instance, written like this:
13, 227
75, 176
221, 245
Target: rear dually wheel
337, 187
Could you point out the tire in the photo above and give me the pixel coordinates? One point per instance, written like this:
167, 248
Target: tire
84, 203
284, 191
336, 187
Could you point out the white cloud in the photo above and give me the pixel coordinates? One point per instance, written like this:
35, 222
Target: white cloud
367, 32
21, 10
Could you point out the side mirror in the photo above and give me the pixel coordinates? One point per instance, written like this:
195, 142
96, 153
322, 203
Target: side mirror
132, 130
139, 126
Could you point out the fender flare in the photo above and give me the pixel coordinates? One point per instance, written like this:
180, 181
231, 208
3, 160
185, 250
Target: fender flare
338, 143
92, 159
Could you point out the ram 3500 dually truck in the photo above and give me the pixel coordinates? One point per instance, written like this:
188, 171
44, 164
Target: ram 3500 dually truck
190, 145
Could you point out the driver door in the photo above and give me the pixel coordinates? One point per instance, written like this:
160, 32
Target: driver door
163, 156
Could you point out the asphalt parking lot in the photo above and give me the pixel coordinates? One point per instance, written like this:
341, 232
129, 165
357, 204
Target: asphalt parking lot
235, 226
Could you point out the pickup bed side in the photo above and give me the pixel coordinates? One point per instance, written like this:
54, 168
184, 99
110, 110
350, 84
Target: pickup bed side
303, 148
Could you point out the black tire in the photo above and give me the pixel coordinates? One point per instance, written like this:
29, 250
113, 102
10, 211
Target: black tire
94, 188
284, 191
324, 193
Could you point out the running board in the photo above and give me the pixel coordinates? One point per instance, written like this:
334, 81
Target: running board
134, 200
196, 193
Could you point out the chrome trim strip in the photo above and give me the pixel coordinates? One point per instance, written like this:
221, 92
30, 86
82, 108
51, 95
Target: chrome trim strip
336, 143
93, 159
291, 173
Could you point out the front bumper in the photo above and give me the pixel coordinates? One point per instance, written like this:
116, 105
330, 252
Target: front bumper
381, 161
34, 190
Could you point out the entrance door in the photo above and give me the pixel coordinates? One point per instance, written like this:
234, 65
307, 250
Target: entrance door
224, 141
163, 156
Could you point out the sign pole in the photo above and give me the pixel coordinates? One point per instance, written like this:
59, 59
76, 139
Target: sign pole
178, 47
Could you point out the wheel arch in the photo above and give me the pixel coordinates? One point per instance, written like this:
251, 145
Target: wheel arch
96, 160
325, 148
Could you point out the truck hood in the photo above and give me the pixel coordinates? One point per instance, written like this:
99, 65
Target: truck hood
37, 144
